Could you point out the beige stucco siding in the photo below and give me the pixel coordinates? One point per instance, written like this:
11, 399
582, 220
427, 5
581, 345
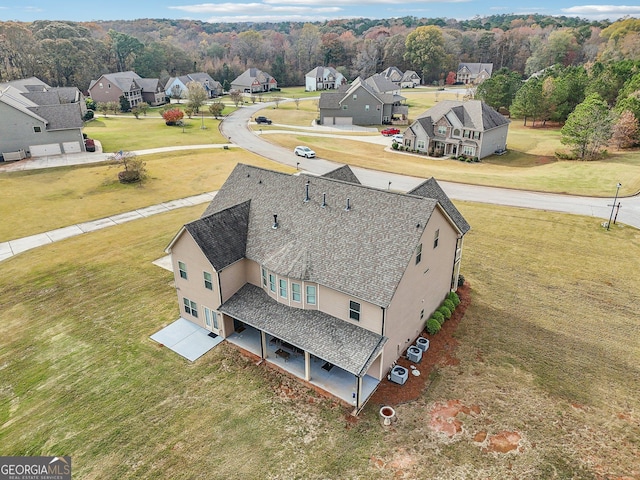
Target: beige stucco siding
423, 287
233, 277
193, 287
337, 305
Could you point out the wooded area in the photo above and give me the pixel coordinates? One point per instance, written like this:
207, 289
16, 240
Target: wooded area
72, 53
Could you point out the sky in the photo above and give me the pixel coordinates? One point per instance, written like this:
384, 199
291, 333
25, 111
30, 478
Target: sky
301, 10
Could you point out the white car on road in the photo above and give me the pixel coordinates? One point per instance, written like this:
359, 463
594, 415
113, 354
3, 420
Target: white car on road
304, 152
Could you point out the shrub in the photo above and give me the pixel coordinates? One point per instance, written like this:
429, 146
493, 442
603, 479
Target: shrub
449, 304
460, 280
88, 116
172, 116
453, 296
445, 311
439, 317
433, 326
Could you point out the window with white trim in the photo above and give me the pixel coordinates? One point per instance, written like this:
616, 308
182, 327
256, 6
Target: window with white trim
420, 144
208, 280
354, 310
366, 108
418, 253
296, 292
436, 238
272, 282
469, 150
37, 129
264, 277
190, 307
283, 288
183, 270
311, 294
442, 129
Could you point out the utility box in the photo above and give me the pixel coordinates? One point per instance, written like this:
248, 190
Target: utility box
414, 354
422, 343
399, 375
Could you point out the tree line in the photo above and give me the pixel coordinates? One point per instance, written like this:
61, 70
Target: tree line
73, 53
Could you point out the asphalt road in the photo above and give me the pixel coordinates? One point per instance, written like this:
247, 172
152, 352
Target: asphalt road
234, 127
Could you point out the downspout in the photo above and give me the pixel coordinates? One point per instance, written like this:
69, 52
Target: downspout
384, 311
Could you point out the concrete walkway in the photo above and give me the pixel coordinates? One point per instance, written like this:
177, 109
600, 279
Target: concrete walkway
13, 247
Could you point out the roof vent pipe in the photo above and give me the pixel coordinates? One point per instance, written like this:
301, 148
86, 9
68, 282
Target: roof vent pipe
306, 191
275, 222
324, 200
348, 205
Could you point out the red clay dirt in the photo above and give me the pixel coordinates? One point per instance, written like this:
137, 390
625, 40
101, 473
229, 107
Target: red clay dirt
441, 351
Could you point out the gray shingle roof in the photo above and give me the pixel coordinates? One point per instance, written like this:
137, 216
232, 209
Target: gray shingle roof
222, 236
344, 174
476, 68
343, 344
473, 114
431, 189
362, 252
330, 99
381, 84
60, 117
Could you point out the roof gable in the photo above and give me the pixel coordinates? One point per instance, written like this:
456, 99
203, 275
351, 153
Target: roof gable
431, 189
222, 236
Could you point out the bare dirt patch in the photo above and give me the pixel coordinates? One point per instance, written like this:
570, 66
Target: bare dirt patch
504, 442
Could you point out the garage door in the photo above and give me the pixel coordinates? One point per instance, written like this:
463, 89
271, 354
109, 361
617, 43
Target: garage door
344, 120
44, 150
71, 147
327, 121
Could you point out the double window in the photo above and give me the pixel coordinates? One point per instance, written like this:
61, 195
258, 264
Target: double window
311, 294
354, 311
295, 292
190, 307
183, 270
208, 280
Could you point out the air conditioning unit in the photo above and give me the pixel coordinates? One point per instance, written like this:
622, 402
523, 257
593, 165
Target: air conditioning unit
414, 354
422, 343
399, 375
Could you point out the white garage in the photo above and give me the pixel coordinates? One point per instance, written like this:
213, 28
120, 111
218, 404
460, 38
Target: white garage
71, 147
344, 121
44, 150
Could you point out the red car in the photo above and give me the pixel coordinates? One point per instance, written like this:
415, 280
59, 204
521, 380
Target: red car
387, 132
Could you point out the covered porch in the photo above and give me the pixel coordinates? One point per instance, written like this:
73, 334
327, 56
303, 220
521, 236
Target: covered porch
322, 350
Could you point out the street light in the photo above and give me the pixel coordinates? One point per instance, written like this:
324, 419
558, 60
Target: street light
614, 204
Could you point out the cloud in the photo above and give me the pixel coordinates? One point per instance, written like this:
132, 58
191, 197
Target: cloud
619, 10
361, 3
265, 10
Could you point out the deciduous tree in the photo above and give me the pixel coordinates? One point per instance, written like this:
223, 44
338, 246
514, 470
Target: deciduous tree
626, 130
196, 95
425, 51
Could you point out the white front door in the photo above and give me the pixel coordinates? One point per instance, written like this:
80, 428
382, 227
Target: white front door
211, 320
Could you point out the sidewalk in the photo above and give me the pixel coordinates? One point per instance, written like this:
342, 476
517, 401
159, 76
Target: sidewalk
13, 247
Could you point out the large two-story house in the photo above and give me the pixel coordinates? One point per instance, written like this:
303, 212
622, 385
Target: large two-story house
374, 101
177, 86
111, 86
323, 78
326, 278
38, 120
473, 73
408, 79
254, 80
451, 128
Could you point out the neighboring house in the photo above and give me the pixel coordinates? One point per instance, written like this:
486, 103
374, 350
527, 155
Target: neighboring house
323, 78
111, 86
393, 74
179, 84
254, 80
473, 73
374, 101
410, 79
319, 273
452, 127
40, 120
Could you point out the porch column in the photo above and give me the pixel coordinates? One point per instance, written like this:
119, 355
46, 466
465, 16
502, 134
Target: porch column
263, 344
307, 366
358, 392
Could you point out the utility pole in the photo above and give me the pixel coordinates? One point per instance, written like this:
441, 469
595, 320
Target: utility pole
614, 205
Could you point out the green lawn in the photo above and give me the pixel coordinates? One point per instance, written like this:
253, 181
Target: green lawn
549, 348
36, 201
